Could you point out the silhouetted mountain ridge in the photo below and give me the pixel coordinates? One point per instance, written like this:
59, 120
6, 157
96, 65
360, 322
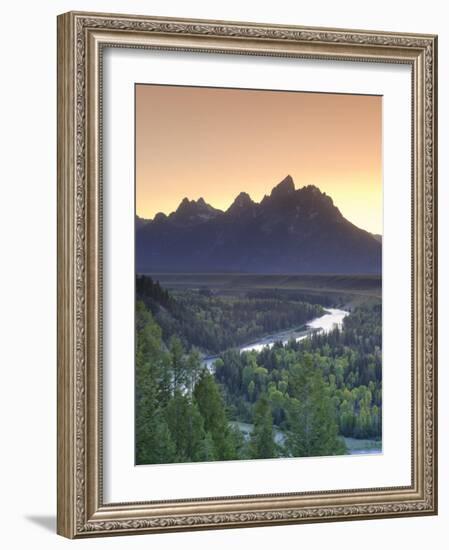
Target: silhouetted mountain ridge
289, 231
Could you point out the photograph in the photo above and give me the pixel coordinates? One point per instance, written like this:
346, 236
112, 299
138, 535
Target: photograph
258, 274
233, 213
247, 274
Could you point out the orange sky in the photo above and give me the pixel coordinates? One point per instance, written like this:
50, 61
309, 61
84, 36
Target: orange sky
214, 143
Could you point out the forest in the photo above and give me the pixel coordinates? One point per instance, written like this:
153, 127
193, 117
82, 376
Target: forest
299, 399
341, 369
214, 323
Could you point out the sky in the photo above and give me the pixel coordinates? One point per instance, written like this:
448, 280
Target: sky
216, 142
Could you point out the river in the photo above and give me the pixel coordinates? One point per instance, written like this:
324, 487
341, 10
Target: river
327, 322
353, 446
324, 324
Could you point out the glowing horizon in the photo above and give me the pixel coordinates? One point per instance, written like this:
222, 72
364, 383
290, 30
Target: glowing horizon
215, 143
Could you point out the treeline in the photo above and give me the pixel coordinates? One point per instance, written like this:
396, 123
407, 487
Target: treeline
150, 290
345, 365
311, 297
216, 323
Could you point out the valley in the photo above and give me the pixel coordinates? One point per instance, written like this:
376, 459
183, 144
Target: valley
247, 328
258, 330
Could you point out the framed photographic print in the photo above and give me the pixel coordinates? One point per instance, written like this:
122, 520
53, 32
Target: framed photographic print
246, 274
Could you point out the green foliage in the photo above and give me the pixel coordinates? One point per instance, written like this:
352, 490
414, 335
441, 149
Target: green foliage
149, 290
210, 404
312, 429
216, 323
262, 444
298, 399
179, 365
348, 362
186, 426
153, 439
180, 415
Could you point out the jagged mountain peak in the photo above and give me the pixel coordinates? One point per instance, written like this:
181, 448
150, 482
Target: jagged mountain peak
185, 202
160, 217
241, 202
192, 212
199, 204
284, 188
312, 189
289, 231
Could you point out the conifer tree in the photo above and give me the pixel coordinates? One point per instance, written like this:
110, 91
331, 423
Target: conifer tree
210, 404
312, 429
262, 444
186, 428
153, 439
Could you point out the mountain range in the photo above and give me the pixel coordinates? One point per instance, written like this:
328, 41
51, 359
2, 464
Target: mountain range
289, 231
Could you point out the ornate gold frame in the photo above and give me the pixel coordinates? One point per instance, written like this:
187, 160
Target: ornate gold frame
81, 38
